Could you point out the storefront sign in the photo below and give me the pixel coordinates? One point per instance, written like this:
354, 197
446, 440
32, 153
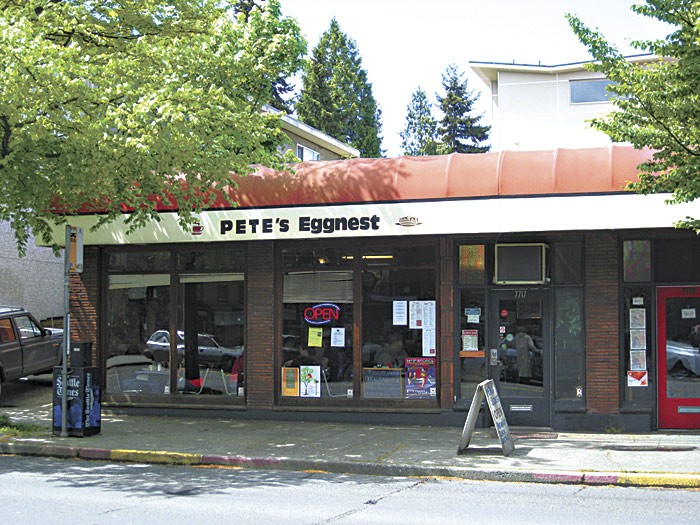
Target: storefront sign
324, 313
392, 219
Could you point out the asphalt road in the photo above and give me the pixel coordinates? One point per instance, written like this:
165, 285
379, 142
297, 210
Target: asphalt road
43, 490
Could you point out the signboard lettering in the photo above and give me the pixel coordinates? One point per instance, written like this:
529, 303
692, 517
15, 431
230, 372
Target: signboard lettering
487, 389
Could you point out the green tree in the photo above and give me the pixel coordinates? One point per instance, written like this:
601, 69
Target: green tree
337, 98
657, 103
460, 131
420, 135
111, 103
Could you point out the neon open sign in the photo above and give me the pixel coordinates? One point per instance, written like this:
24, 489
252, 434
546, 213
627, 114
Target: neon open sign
323, 313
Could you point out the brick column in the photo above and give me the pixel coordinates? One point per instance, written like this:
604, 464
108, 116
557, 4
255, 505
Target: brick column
260, 326
84, 300
602, 324
446, 357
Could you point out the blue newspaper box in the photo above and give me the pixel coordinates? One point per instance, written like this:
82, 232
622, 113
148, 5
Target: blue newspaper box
83, 395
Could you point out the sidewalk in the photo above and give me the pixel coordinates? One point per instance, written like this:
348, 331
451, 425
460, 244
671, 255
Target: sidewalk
654, 459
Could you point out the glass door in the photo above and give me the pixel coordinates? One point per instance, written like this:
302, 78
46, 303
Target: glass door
519, 337
678, 312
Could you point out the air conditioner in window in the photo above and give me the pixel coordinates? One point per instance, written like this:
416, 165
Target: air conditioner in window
521, 263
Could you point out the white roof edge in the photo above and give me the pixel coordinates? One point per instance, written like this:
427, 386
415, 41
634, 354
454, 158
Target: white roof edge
488, 70
296, 126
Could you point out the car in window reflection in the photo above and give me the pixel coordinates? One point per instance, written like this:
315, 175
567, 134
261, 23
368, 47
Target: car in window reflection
211, 352
682, 359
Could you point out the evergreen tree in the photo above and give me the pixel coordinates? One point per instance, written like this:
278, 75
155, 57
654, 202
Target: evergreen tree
337, 98
460, 132
420, 135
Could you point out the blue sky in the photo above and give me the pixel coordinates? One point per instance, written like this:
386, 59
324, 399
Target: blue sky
405, 44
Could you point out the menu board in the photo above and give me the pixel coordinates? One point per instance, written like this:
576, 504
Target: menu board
382, 382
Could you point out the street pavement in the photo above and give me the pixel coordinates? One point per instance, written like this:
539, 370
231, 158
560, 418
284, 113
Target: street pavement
661, 459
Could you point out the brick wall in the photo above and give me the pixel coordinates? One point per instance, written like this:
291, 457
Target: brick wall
446, 319
84, 301
602, 324
260, 327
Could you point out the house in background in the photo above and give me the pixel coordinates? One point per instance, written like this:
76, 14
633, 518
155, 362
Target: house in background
35, 281
536, 107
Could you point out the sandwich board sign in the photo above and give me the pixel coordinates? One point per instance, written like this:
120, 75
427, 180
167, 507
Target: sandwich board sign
488, 390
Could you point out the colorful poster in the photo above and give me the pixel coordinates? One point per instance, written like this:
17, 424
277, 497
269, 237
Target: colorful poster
400, 313
310, 381
315, 336
420, 377
470, 340
338, 337
637, 378
290, 381
415, 319
429, 346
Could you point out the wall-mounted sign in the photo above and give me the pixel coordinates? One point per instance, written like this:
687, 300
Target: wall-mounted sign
323, 313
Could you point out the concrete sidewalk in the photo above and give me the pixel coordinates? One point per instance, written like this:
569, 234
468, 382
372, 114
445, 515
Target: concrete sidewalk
655, 459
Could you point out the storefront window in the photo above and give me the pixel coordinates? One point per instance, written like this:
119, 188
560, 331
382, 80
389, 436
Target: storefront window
317, 346
157, 346
399, 334
568, 263
210, 335
569, 351
139, 306
636, 260
472, 265
472, 356
141, 261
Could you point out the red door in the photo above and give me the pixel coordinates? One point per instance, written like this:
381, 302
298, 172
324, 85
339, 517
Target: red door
678, 314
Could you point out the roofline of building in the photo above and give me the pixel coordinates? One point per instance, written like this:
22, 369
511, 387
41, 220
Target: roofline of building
488, 71
294, 125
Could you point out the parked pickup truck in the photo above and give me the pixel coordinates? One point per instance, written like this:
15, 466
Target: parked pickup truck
26, 348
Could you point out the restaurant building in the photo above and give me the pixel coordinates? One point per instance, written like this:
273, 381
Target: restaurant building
386, 289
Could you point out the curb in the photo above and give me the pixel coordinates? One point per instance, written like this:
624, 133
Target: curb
666, 480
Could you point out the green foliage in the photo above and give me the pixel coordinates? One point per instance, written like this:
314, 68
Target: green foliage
337, 97
460, 132
10, 429
111, 102
420, 135
657, 103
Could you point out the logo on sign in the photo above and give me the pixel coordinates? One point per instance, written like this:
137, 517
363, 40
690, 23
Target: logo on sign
197, 229
323, 313
408, 222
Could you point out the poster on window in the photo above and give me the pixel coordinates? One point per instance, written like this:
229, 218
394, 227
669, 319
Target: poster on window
420, 377
400, 313
309, 381
315, 336
638, 360
338, 337
638, 339
470, 340
429, 346
290, 381
429, 315
637, 378
638, 318
415, 315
